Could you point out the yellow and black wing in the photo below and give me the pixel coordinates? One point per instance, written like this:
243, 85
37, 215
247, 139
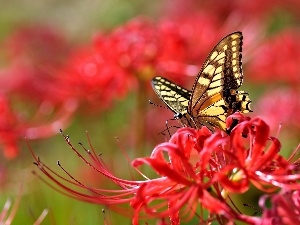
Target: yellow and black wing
214, 95
174, 96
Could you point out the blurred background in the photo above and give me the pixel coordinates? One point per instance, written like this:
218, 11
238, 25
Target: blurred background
86, 66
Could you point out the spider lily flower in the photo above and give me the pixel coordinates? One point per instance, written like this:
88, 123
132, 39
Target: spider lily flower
32, 103
196, 170
257, 161
141, 50
10, 129
89, 79
225, 164
14, 126
242, 9
231, 8
140, 46
285, 208
96, 74
35, 54
182, 184
288, 99
284, 66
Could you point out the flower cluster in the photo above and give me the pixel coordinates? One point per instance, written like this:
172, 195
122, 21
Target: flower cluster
142, 49
113, 64
195, 168
45, 68
34, 55
32, 103
47, 81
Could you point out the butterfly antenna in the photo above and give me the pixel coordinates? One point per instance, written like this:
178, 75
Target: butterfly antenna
255, 209
168, 128
160, 106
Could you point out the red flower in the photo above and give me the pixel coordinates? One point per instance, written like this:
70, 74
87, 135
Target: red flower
196, 34
277, 59
110, 67
33, 105
124, 60
279, 107
10, 129
227, 162
142, 49
35, 55
140, 46
285, 208
16, 125
182, 184
194, 169
92, 81
229, 9
254, 162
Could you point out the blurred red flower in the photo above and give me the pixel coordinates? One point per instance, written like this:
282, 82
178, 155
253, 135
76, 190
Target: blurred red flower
140, 45
10, 129
15, 125
129, 56
33, 104
34, 56
223, 10
95, 83
195, 168
285, 208
280, 106
277, 59
201, 26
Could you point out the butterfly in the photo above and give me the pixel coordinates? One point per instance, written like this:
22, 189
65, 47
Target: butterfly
214, 95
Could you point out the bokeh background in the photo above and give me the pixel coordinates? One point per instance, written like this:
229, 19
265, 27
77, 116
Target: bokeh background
86, 66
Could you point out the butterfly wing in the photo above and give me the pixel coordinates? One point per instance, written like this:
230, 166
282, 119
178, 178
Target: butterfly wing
173, 95
214, 96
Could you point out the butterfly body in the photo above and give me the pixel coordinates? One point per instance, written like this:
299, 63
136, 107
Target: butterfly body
214, 95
